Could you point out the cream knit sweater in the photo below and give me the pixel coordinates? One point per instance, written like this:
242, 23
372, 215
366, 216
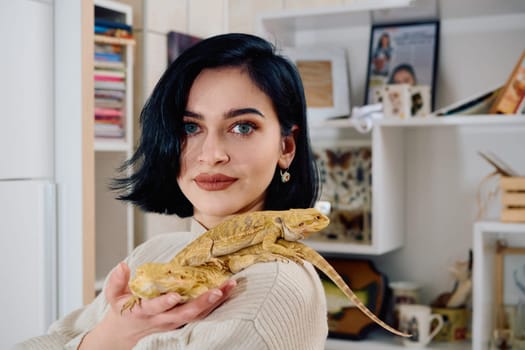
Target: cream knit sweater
275, 306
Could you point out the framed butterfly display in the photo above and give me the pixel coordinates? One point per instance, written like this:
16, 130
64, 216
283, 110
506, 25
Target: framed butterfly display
346, 182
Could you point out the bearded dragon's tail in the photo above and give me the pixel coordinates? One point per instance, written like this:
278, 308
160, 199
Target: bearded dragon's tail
308, 254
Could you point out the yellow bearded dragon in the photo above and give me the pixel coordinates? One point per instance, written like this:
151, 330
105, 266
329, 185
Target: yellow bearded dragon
231, 235
247, 229
154, 279
191, 280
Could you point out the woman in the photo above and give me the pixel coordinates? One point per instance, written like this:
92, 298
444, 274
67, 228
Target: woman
382, 55
224, 132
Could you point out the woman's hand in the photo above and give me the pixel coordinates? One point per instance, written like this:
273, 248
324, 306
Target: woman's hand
160, 314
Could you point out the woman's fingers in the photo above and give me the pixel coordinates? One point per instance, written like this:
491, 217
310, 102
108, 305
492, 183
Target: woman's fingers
201, 306
227, 287
216, 299
158, 305
118, 283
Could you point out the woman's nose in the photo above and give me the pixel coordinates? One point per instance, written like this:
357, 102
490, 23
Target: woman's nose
213, 150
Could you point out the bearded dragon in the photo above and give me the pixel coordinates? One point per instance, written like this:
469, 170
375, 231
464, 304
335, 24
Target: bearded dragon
251, 228
231, 235
154, 279
191, 279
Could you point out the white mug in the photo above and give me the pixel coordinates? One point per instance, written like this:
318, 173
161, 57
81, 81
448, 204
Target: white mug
417, 320
403, 292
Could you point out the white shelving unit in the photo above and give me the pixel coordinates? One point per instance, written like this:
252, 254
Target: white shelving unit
472, 120
486, 234
380, 341
388, 157
114, 219
391, 139
425, 171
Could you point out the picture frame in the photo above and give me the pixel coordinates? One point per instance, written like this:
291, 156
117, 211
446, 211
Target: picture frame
178, 42
509, 274
402, 53
345, 169
345, 320
324, 73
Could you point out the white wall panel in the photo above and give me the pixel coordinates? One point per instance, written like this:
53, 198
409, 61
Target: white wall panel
26, 89
163, 16
207, 18
242, 14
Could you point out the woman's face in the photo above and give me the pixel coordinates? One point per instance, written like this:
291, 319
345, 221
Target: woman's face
403, 76
233, 145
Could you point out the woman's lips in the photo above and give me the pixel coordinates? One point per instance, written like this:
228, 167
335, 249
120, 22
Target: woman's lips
214, 182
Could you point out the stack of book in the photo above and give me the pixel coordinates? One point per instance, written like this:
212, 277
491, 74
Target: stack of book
110, 80
113, 29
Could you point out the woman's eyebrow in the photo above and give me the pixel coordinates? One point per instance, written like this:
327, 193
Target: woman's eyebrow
192, 114
237, 112
230, 114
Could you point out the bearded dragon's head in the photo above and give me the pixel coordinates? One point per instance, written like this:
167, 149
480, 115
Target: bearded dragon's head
154, 279
300, 223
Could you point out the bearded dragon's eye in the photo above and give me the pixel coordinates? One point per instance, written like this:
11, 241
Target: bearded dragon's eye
301, 224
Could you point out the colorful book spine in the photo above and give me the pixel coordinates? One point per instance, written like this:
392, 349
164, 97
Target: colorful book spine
110, 80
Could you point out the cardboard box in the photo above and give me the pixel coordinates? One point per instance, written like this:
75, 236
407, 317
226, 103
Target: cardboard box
512, 199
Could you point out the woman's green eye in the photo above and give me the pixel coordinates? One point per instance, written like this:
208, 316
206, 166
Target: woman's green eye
243, 128
190, 128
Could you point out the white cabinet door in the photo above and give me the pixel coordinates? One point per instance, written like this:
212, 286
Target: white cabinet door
27, 259
26, 89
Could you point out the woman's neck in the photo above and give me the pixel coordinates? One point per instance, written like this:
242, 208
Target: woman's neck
210, 220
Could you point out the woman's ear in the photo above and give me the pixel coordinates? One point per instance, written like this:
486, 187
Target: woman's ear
288, 149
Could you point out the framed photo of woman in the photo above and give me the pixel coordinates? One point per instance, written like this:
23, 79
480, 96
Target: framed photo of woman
402, 53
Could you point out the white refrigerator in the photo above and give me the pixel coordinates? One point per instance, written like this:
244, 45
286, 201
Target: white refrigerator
28, 256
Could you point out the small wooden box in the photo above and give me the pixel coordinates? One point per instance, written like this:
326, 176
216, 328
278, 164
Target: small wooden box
512, 199
510, 96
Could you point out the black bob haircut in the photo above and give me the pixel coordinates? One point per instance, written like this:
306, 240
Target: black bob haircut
151, 182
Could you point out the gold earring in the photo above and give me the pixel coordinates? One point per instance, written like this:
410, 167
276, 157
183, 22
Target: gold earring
285, 176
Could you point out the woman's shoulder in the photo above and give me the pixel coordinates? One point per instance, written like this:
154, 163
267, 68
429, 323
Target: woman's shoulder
284, 303
160, 248
282, 287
